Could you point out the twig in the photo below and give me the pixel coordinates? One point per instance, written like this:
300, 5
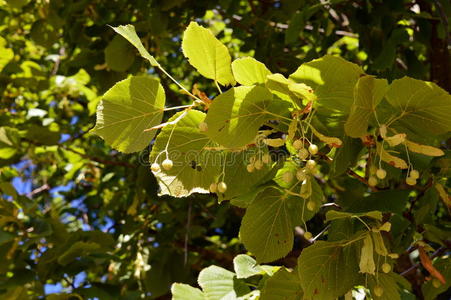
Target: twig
38, 190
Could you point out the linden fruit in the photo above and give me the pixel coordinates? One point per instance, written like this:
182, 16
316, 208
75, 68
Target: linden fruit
167, 164
222, 187
313, 149
381, 173
372, 181
155, 167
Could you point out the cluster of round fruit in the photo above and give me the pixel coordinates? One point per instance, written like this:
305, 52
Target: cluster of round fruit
167, 164
256, 163
413, 176
220, 187
381, 174
304, 153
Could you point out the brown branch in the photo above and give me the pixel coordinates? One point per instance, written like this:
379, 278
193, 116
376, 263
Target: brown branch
38, 190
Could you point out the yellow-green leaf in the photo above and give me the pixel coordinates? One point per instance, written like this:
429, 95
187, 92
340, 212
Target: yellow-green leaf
424, 149
129, 33
249, 71
333, 79
390, 159
207, 54
126, 110
368, 92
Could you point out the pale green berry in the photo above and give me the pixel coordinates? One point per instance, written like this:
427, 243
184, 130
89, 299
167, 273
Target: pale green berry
414, 174
250, 168
313, 149
298, 144
311, 164
381, 173
167, 164
378, 291
155, 167
203, 126
300, 175
311, 205
287, 177
266, 158
386, 268
258, 164
308, 235
411, 181
303, 154
372, 181
222, 187
213, 187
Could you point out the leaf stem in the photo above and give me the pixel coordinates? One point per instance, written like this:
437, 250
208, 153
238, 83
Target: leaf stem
178, 84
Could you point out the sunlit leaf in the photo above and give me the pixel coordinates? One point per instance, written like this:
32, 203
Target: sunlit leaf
207, 54
368, 92
235, 116
332, 79
249, 71
129, 33
126, 110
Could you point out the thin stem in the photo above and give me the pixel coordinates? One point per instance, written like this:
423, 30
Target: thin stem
358, 218
218, 87
178, 84
178, 107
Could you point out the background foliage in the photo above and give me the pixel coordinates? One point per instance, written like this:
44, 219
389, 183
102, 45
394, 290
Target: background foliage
80, 218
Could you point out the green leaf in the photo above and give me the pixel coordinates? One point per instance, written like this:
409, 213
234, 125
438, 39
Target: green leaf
126, 110
42, 135
207, 54
346, 156
119, 55
391, 284
385, 201
76, 250
235, 116
332, 79
198, 161
218, 283
9, 142
245, 266
368, 92
249, 71
421, 107
64, 297
129, 33
182, 291
327, 270
335, 215
278, 85
302, 91
195, 167
6, 54
267, 226
283, 285
239, 180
